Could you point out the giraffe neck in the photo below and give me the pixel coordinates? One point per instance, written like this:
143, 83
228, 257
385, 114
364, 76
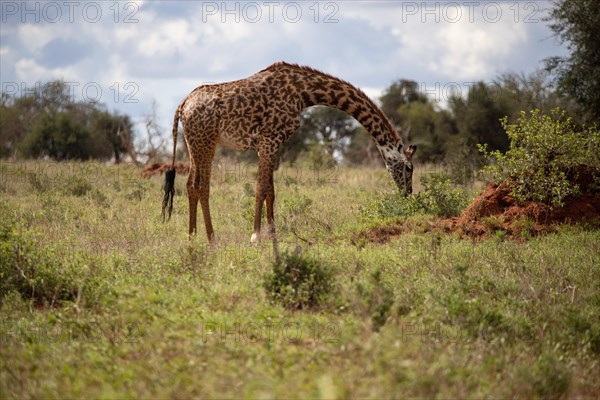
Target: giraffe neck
321, 89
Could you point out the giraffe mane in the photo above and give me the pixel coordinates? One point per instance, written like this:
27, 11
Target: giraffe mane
371, 103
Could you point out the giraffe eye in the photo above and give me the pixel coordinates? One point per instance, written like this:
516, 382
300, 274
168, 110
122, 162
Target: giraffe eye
408, 168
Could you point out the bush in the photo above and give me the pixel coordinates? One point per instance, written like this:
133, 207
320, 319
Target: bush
378, 298
58, 136
76, 186
546, 152
48, 275
461, 161
298, 282
440, 197
550, 377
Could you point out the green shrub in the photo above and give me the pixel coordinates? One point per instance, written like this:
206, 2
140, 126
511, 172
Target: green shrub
378, 297
99, 198
7, 220
390, 205
550, 377
545, 155
48, 275
296, 206
72, 185
39, 182
294, 211
136, 191
76, 186
440, 197
299, 282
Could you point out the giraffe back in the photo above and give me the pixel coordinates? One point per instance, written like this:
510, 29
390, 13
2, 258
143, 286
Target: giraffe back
242, 113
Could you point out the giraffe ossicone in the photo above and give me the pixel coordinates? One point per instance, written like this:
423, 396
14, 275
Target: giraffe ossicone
261, 112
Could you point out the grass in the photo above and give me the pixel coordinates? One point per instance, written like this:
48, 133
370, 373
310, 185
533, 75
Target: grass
99, 298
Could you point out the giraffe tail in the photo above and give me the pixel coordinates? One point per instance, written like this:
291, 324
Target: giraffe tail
175, 128
169, 185
169, 189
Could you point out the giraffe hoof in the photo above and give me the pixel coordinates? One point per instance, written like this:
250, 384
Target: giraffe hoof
254, 238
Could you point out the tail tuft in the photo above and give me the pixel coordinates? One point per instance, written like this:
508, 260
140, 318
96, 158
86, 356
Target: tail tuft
169, 189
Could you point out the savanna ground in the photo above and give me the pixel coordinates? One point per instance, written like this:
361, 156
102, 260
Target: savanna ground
99, 298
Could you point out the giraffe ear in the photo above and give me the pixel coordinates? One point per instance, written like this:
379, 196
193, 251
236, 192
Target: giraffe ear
411, 149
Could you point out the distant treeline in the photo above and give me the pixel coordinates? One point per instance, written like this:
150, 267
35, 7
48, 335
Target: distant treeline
57, 126
49, 122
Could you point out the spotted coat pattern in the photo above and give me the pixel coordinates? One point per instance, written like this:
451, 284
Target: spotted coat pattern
263, 111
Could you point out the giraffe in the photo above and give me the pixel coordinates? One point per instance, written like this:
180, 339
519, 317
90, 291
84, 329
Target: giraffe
261, 112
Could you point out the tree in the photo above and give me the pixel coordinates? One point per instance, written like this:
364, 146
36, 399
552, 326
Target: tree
324, 132
361, 150
16, 115
478, 116
428, 126
154, 144
57, 135
111, 135
576, 22
399, 93
47, 121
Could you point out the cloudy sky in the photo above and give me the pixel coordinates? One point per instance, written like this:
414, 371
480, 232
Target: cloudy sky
128, 54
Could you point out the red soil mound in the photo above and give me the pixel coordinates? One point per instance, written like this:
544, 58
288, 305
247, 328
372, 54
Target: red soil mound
495, 209
382, 234
158, 168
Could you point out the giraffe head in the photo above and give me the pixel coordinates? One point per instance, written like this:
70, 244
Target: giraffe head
398, 161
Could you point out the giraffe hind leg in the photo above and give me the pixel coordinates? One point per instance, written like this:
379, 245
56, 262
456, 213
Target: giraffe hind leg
204, 201
202, 152
193, 191
265, 194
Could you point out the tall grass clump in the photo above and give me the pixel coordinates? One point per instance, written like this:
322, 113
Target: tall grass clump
545, 157
440, 197
45, 274
299, 282
378, 298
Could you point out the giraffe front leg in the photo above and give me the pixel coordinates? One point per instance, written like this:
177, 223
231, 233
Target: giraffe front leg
270, 201
260, 199
264, 187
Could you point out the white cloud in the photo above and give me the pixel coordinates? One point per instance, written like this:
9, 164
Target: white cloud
172, 49
34, 37
372, 92
167, 38
469, 51
30, 71
469, 42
